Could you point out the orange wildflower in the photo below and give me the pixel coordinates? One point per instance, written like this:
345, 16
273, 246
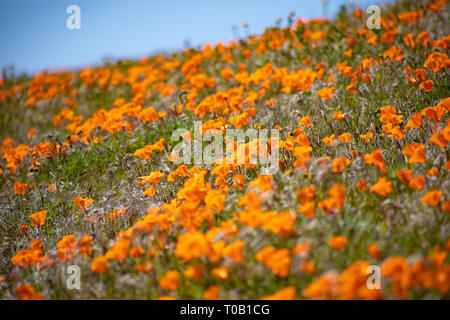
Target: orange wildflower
362, 184
415, 121
262, 182
393, 53
234, 251
307, 209
287, 293
308, 266
351, 87
404, 176
305, 121
220, 273
373, 250
279, 261
337, 242
417, 183
388, 114
427, 85
170, 280
376, 158
280, 224
432, 197
212, 293
306, 194
154, 177
339, 164
194, 272
20, 188
345, 137
82, 203
329, 140
191, 245
326, 93
436, 61
31, 133
445, 206
339, 115
383, 187
99, 265
416, 152
38, 218
27, 292
150, 192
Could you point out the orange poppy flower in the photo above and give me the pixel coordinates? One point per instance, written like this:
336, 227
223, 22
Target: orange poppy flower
279, 261
31, 133
308, 266
351, 88
362, 184
307, 209
326, 93
154, 177
212, 293
415, 121
416, 152
150, 192
262, 182
329, 140
439, 139
427, 85
99, 265
373, 250
191, 245
436, 61
170, 280
383, 187
393, 53
339, 164
38, 218
234, 251
339, 115
433, 172
20, 188
302, 249
220, 273
376, 158
432, 197
194, 272
345, 137
287, 293
27, 292
446, 206
388, 114
305, 121
404, 176
82, 203
337, 242
417, 183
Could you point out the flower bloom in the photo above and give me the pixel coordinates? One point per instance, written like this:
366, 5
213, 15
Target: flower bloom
38, 218
337, 242
432, 197
170, 280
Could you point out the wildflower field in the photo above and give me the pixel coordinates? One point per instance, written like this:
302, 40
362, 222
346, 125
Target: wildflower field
91, 182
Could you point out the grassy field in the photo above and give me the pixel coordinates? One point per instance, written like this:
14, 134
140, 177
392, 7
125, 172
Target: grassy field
89, 176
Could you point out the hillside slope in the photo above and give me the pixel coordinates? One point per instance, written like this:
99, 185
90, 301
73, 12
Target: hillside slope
89, 174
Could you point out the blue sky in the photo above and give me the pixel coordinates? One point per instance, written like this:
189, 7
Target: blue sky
33, 33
